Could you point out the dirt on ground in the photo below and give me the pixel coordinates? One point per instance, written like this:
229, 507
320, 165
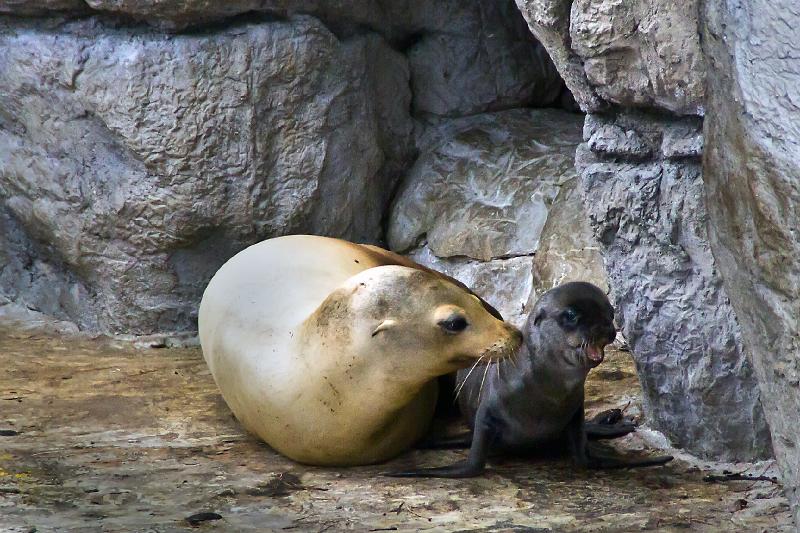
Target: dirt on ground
96, 435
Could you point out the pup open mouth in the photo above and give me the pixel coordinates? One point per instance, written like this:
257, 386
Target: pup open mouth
595, 353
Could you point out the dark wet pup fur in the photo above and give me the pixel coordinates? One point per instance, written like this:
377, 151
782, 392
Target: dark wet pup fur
534, 402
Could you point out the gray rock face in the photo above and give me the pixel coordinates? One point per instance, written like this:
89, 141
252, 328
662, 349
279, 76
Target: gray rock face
636, 54
567, 248
753, 190
549, 21
490, 64
482, 185
643, 53
507, 284
650, 217
492, 202
466, 56
135, 163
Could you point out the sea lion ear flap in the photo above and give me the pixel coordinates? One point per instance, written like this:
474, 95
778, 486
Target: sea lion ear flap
386, 324
539, 317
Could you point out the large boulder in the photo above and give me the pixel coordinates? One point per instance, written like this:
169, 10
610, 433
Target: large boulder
492, 202
643, 53
482, 185
134, 163
643, 191
567, 247
466, 57
752, 177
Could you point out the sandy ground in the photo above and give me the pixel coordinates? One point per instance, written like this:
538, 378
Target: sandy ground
99, 436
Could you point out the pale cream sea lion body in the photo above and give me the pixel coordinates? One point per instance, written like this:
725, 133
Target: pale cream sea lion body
328, 350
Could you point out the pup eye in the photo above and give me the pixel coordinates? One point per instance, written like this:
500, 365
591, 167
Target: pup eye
455, 324
570, 317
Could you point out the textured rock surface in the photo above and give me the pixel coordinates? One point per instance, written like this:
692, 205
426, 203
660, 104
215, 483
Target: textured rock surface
640, 53
482, 185
489, 64
466, 56
753, 187
567, 248
135, 163
492, 202
507, 284
650, 217
549, 21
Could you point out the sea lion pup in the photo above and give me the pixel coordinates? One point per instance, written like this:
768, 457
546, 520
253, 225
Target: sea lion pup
536, 400
329, 350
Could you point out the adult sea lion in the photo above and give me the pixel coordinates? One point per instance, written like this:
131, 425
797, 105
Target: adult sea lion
534, 401
328, 350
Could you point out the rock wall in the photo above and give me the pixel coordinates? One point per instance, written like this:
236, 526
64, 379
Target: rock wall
134, 160
143, 161
491, 202
645, 200
752, 177
638, 69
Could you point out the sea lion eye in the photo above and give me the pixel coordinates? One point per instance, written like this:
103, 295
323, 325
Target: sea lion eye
454, 324
570, 317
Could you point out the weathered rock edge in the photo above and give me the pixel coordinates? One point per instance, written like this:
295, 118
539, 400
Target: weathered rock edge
752, 178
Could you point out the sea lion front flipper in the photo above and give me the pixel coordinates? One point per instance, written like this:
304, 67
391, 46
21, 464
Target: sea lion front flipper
482, 438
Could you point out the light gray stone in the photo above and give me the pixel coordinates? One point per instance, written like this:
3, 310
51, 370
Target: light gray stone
482, 185
567, 248
752, 178
466, 56
135, 163
507, 284
643, 53
650, 217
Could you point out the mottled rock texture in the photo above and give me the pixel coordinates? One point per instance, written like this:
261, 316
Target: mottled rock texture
486, 66
567, 247
642, 53
752, 175
465, 56
507, 284
134, 163
482, 185
492, 202
643, 191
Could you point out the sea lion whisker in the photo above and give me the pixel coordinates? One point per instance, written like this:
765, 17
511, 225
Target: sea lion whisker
464, 381
483, 380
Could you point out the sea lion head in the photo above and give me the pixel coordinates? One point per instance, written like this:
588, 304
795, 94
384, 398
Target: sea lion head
574, 319
423, 322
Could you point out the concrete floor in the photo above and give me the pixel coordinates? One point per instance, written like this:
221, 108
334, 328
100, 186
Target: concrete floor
102, 437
